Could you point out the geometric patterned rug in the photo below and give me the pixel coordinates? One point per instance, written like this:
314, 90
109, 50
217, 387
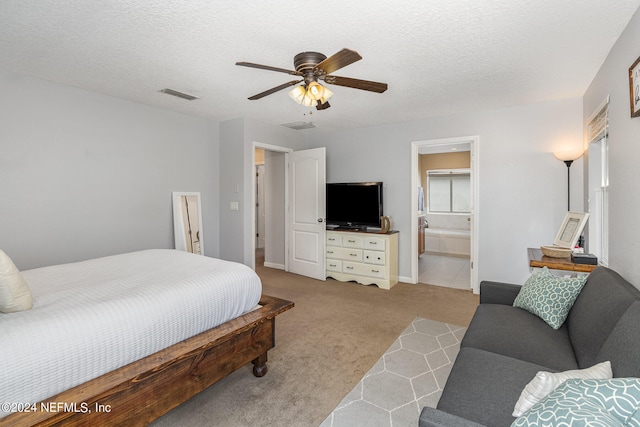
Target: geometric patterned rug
408, 376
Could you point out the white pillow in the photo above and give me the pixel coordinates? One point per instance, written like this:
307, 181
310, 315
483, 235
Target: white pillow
15, 294
545, 382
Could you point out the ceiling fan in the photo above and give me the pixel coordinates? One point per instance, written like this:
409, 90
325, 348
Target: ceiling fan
314, 66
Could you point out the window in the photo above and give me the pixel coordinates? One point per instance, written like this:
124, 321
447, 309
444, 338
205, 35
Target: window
449, 191
598, 170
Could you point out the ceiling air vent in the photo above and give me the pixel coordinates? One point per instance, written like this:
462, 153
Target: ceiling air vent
179, 94
299, 125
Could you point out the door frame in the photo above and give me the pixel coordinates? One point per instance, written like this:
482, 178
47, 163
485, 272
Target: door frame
415, 147
286, 151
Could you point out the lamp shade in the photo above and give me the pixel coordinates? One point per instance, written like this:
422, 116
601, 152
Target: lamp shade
309, 95
568, 155
297, 93
326, 95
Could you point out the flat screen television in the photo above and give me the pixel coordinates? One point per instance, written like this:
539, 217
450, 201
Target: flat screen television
354, 205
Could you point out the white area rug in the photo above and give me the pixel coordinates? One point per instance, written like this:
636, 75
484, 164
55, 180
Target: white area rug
410, 375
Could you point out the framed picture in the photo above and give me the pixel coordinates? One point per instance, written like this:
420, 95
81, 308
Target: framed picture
187, 222
634, 88
570, 229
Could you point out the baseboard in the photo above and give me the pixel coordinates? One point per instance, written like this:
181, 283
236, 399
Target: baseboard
274, 265
405, 279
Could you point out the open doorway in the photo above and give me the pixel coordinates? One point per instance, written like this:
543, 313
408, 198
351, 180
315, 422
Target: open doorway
444, 212
294, 193
270, 188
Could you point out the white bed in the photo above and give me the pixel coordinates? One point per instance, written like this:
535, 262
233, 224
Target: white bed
93, 317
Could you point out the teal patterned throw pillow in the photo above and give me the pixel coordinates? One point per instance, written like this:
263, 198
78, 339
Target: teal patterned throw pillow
613, 402
549, 297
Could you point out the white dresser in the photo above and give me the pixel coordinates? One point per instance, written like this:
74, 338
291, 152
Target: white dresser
367, 258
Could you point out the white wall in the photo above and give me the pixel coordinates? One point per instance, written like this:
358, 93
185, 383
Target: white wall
624, 151
522, 198
85, 175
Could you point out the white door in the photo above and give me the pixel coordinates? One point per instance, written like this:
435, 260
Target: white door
307, 178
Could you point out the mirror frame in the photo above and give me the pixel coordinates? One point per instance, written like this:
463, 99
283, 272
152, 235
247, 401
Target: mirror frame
183, 217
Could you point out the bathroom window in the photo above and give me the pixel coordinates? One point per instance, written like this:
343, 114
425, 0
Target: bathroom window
449, 191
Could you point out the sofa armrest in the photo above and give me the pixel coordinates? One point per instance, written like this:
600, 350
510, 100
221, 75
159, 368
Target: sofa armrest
431, 417
498, 293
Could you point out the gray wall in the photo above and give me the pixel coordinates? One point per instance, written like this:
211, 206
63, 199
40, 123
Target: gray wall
523, 192
624, 151
86, 175
275, 208
237, 178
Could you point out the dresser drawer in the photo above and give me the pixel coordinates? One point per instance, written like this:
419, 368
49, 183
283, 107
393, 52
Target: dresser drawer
349, 254
334, 265
374, 257
352, 241
364, 269
334, 239
374, 243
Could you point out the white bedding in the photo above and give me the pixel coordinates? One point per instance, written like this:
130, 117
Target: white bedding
91, 317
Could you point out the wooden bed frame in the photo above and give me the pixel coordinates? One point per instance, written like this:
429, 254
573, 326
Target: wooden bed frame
142, 391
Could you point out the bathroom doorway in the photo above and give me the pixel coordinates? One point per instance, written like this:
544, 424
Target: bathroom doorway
444, 186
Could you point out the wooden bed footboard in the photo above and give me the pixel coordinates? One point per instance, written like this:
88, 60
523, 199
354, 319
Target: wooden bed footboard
142, 391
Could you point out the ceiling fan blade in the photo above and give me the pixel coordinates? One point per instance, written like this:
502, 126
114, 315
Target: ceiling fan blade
356, 83
275, 89
267, 67
339, 60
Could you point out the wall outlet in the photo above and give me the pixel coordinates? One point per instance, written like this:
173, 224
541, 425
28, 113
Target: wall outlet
234, 206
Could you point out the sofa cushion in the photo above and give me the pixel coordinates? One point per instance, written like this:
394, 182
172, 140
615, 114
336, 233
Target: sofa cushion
431, 417
483, 387
515, 332
549, 297
622, 347
605, 297
613, 402
545, 382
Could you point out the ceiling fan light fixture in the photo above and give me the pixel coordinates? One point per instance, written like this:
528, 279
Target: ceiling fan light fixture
315, 90
297, 93
326, 94
303, 96
310, 94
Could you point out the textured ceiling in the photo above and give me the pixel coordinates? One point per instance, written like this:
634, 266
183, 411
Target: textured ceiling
439, 57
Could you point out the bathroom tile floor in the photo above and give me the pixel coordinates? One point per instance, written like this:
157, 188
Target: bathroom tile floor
445, 270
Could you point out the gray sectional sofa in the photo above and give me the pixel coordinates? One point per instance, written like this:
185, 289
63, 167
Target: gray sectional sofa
505, 347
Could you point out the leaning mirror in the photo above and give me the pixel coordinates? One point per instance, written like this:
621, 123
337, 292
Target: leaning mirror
187, 225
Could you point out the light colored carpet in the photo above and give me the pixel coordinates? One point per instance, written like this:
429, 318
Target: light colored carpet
324, 345
408, 376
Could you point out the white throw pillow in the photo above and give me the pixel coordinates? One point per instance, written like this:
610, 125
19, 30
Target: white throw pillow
545, 382
15, 294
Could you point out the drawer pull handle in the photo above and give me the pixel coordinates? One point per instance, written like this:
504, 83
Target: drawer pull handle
373, 243
351, 241
349, 268
329, 252
375, 271
353, 254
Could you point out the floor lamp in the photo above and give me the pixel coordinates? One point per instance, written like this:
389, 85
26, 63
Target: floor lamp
568, 158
